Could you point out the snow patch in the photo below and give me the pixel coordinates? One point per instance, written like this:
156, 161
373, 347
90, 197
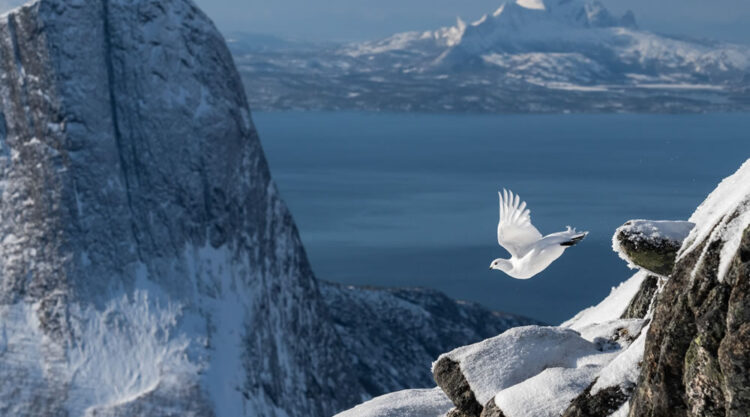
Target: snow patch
412, 403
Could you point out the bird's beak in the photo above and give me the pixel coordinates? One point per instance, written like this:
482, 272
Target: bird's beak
490, 266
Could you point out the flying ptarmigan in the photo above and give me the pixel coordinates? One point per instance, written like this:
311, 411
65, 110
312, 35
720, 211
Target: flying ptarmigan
530, 252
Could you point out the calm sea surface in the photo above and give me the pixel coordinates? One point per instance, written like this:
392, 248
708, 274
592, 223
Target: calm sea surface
410, 200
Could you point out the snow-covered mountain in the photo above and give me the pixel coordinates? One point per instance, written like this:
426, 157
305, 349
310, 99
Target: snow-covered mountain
148, 266
673, 340
527, 56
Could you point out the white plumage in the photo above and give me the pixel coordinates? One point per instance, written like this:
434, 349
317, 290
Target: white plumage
530, 252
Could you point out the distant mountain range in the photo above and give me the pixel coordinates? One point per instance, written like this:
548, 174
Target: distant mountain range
527, 56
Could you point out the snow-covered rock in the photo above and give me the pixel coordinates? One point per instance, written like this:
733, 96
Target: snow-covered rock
651, 244
514, 356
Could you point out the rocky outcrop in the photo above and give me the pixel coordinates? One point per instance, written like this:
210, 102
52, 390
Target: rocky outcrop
649, 244
697, 360
405, 329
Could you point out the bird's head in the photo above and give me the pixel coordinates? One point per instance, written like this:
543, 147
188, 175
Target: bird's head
501, 265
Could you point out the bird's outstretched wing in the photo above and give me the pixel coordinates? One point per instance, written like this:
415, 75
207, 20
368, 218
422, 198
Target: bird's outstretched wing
514, 231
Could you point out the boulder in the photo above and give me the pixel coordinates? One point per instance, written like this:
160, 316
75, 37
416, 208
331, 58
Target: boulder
651, 244
471, 375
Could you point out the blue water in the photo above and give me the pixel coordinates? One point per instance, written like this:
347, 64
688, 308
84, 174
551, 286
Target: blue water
410, 200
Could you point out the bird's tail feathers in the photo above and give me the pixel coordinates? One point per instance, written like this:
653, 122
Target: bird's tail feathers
575, 238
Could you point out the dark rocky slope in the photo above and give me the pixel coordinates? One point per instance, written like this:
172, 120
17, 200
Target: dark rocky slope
392, 335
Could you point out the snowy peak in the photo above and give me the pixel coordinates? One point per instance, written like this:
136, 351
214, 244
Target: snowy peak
572, 13
532, 4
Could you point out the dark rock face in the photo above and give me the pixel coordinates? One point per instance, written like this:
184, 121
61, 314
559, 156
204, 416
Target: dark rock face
449, 377
406, 330
601, 404
640, 304
652, 245
697, 360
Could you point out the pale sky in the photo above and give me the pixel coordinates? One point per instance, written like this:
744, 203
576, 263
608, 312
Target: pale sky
368, 19
344, 20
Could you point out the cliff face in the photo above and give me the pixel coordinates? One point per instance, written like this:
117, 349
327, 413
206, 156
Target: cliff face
697, 355
148, 266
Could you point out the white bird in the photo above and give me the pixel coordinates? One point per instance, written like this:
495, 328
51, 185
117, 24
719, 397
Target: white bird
530, 252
